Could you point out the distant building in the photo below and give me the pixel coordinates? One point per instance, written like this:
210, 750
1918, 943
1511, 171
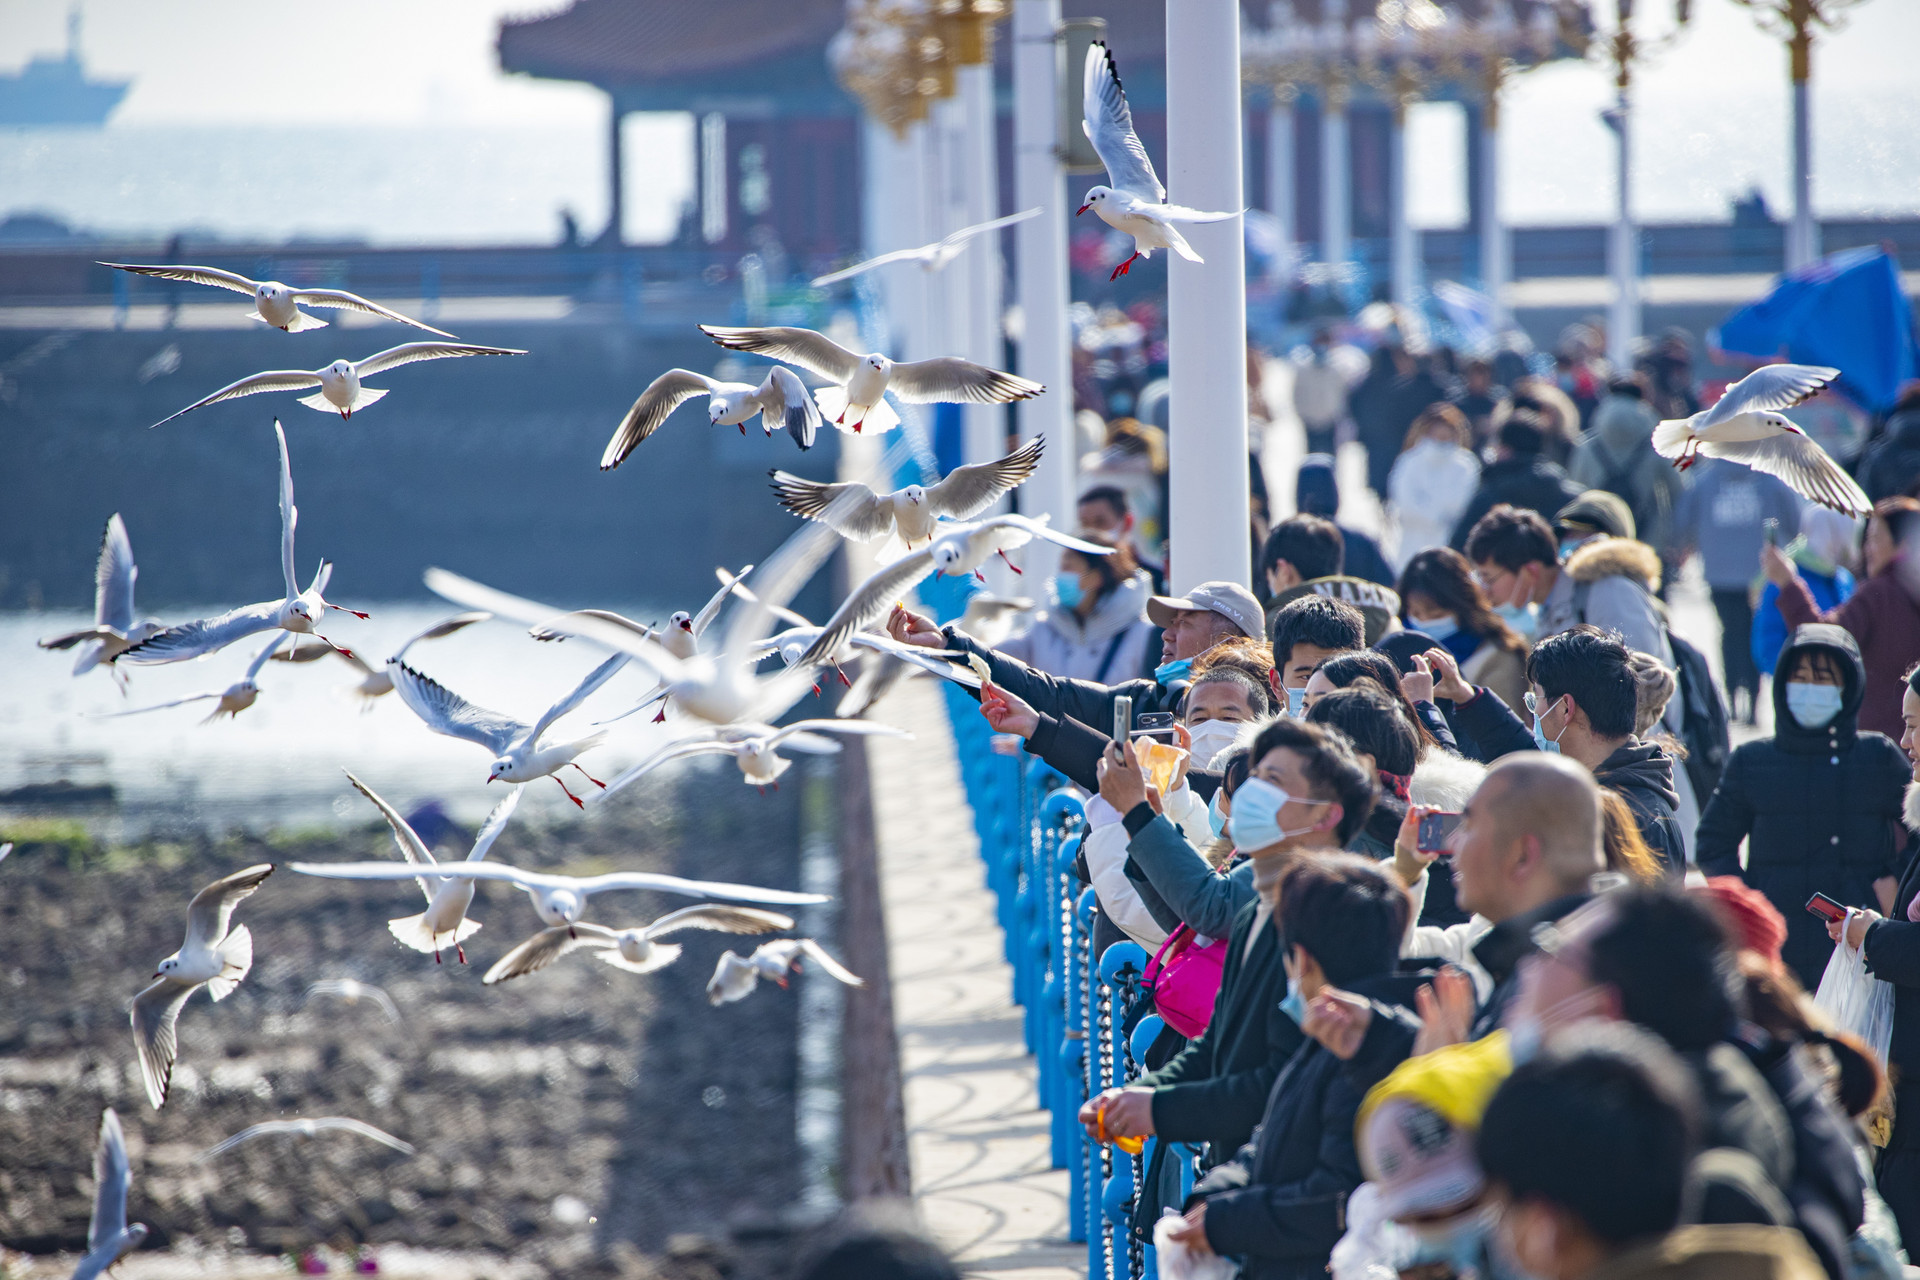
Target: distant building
52, 90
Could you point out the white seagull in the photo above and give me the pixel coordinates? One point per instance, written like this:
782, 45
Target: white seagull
858, 397
212, 956
108, 1233
781, 400
989, 618
114, 630
307, 1128
1133, 200
353, 991
374, 682
444, 922
635, 950
932, 257
561, 900
340, 388
720, 688
275, 303
735, 978
1744, 426
755, 748
957, 549
300, 612
518, 755
680, 637
914, 511
232, 700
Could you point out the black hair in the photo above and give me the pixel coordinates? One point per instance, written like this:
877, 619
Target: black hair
1346, 912
1327, 759
1320, 621
1624, 1103
1112, 495
1912, 677
1401, 645
1513, 538
873, 1243
1594, 667
1374, 722
1523, 433
1344, 670
1673, 962
1313, 546
1316, 488
1258, 700
1233, 764
1443, 576
1900, 514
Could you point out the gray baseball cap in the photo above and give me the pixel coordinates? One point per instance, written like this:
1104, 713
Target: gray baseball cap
1228, 599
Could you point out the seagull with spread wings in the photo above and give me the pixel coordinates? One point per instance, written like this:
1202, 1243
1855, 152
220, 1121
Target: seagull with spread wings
734, 978
912, 512
518, 755
1132, 199
299, 612
215, 956
374, 682
756, 749
858, 396
275, 303
1745, 426
444, 922
340, 382
635, 950
931, 257
232, 700
108, 1233
306, 1127
114, 629
781, 400
353, 991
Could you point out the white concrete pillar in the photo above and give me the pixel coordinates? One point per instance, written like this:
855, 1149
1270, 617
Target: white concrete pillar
1623, 247
1336, 203
1207, 301
1039, 182
1803, 234
1280, 185
1495, 249
1403, 245
980, 274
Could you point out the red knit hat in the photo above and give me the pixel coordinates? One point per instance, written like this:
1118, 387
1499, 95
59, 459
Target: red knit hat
1757, 922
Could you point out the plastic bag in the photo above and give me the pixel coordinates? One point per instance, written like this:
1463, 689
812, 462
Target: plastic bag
1177, 1262
1856, 1000
1375, 1247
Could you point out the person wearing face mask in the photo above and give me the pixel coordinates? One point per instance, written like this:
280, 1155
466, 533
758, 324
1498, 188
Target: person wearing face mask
1883, 613
1615, 1211
1608, 582
1306, 796
1439, 596
1306, 632
1666, 961
1095, 625
1280, 1204
1817, 804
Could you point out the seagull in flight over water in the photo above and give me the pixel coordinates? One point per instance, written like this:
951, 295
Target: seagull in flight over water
340, 386
114, 630
275, 303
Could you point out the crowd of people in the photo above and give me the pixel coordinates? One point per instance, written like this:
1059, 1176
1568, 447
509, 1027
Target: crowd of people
1478, 945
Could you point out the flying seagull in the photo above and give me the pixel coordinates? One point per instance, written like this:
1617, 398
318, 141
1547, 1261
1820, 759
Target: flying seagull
781, 400
114, 630
275, 303
353, 991
932, 257
755, 748
858, 396
108, 1233
735, 978
307, 1128
635, 950
232, 700
1132, 200
914, 511
375, 683
340, 387
1745, 426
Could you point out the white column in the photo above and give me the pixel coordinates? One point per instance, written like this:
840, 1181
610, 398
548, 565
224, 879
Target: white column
1280, 165
1336, 205
1207, 301
1495, 268
1039, 182
1803, 235
713, 177
985, 423
1403, 247
1623, 250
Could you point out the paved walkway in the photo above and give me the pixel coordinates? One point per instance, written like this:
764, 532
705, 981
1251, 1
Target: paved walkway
977, 1140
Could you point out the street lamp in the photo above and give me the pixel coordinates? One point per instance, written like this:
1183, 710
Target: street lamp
1794, 20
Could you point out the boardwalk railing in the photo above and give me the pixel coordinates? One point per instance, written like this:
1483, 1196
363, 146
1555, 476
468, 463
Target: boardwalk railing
1030, 821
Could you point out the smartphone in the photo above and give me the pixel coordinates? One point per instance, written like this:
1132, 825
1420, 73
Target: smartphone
1770, 530
1122, 719
1435, 826
1158, 725
1826, 908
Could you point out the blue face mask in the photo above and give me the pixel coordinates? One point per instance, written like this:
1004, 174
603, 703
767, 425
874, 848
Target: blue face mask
1568, 548
1296, 702
1067, 591
1813, 705
1523, 618
1254, 823
1295, 1005
1542, 741
1216, 819
1167, 672
1441, 628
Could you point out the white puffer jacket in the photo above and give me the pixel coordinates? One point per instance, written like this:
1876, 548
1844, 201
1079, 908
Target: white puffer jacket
1109, 647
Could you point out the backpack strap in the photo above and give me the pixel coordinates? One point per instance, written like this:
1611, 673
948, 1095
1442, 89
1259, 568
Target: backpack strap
1113, 651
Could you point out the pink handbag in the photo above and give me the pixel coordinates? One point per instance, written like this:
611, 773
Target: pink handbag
1184, 980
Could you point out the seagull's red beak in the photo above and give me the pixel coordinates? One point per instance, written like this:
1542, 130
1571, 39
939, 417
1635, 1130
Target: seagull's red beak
1082, 209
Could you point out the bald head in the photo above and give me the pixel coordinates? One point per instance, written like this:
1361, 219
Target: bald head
1531, 834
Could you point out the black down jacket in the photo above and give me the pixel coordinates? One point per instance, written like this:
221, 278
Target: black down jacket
1819, 808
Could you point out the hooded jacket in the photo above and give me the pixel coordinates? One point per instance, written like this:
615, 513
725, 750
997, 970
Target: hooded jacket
1109, 646
1641, 773
1428, 489
1884, 618
1819, 808
1526, 480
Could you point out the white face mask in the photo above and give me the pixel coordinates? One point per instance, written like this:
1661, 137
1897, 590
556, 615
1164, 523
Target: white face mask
1210, 738
1814, 705
1254, 823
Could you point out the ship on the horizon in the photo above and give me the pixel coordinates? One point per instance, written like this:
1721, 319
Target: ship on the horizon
50, 90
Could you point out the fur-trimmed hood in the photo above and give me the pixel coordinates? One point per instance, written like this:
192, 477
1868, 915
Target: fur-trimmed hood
1615, 557
1444, 780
